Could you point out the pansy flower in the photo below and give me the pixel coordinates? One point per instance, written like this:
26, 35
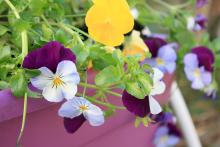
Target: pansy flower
142, 107
167, 135
196, 24
163, 55
162, 117
62, 84
108, 21
199, 66
201, 3
59, 77
77, 110
135, 46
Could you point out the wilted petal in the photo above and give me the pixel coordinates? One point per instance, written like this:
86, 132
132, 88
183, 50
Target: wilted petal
155, 107
72, 125
41, 81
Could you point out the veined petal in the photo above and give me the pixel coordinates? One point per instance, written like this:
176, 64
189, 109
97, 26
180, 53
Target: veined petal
155, 107
94, 115
41, 81
69, 109
67, 69
158, 88
52, 93
69, 90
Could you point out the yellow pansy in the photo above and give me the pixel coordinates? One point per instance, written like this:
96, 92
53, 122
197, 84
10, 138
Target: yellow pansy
108, 21
135, 45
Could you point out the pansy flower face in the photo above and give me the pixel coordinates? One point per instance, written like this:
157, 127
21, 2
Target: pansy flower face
62, 84
109, 20
142, 107
77, 110
196, 24
135, 46
166, 137
163, 58
195, 73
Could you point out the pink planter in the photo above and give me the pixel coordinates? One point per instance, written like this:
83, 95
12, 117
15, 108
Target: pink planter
44, 128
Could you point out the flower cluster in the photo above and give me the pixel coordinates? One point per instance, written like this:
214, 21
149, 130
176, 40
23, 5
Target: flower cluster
58, 80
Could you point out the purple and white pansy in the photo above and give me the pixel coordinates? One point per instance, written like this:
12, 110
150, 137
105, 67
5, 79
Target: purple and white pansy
163, 55
78, 107
143, 107
196, 23
167, 135
62, 84
199, 66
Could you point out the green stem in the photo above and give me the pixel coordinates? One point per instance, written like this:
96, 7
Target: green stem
98, 88
92, 99
23, 119
76, 15
70, 31
80, 31
23, 33
45, 20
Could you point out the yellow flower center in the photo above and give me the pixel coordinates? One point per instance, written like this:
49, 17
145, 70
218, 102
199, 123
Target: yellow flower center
159, 61
197, 72
83, 108
57, 81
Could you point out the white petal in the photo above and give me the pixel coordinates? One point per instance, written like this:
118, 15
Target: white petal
69, 90
158, 88
68, 69
158, 75
94, 115
71, 78
41, 81
155, 107
53, 94
70, 109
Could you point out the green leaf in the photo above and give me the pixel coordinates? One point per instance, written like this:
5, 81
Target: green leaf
3, 30
37, 6
32, 72
107, 76
5, 52
62, 36
145, 82
18, 84
3, 85
21, 25
81, 52
47, 32
134, 89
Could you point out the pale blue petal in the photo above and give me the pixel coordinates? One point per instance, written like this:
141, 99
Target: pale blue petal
69, 90
170, 67
44, 79
189, 73
173, 140
94, 115
67, 70
167, 53
198, 84
152, 62
206, 77
191, 61
70, 109
52, 93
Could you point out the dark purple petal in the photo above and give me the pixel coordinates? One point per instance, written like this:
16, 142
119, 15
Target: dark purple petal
173, 130
154, 44
162, 117
48, 56
201, 3
205, 57
72, 125
139, 107
201, 20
